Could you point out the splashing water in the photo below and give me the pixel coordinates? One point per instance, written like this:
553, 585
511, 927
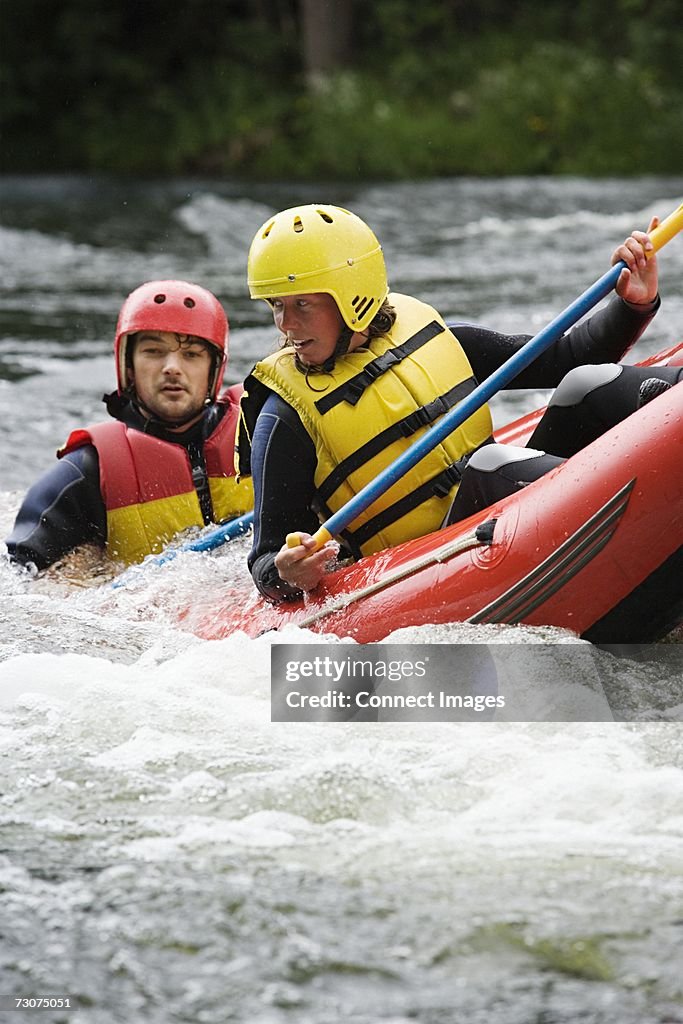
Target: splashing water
168, 853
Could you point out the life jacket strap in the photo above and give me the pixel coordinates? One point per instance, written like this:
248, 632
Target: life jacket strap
406, 427
440, 486
352, 390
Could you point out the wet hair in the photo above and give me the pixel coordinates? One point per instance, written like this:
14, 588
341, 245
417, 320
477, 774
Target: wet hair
184, 341
383, 320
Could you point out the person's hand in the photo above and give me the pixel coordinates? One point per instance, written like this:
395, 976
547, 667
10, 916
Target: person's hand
637, 282
303, 567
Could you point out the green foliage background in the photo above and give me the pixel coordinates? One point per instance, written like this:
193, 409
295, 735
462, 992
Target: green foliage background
436, 87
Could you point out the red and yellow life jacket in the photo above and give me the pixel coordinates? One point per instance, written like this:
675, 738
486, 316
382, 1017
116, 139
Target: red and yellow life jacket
375, 403
147, 487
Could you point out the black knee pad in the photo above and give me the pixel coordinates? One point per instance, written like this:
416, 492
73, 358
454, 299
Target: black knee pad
591, 400
494, 472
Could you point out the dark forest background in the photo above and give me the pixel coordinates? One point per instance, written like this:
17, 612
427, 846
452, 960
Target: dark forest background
266, 89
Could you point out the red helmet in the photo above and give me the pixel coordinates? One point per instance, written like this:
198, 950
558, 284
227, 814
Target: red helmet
178, 307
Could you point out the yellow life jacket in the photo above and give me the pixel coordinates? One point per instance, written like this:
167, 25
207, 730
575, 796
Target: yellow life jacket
376, 402
147, 486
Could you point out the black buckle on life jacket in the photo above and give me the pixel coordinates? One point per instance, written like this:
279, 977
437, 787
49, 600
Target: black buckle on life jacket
417, 419
372, 371
386, 361
449, 478
424, 416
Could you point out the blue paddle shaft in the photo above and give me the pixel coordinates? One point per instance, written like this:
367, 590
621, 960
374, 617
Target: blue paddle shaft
214, 539
481, 394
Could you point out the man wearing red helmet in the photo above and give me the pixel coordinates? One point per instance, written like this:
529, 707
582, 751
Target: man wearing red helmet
165, 461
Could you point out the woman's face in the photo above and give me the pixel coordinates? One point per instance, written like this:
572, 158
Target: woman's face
311, 324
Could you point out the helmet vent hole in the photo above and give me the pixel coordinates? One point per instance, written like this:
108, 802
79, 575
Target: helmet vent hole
190, 303
298, 226
159, 299
326, 217
362, 305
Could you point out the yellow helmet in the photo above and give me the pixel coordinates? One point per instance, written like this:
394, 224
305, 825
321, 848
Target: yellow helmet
310, 249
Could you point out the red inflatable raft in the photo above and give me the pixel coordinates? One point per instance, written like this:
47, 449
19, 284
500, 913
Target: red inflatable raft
595, 547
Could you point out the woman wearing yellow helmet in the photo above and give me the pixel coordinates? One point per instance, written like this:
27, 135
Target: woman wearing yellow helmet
361, 373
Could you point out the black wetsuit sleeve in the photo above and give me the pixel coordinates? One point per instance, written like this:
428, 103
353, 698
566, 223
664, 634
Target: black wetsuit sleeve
604, 338
283, 463
63, 509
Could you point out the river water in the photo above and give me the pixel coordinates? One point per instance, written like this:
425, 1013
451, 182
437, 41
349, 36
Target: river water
167, 854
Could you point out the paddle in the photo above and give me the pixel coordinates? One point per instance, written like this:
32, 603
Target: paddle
209, 541
214, 538
481, 394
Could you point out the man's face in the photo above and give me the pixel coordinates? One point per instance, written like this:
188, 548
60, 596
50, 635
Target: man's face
170, 373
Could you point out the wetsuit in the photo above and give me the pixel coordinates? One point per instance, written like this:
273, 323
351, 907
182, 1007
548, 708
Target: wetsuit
283, 457
65, 508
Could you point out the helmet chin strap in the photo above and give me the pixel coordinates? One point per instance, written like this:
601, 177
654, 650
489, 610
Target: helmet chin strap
340, 349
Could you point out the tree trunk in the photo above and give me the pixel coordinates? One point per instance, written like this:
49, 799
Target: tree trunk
326, 29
